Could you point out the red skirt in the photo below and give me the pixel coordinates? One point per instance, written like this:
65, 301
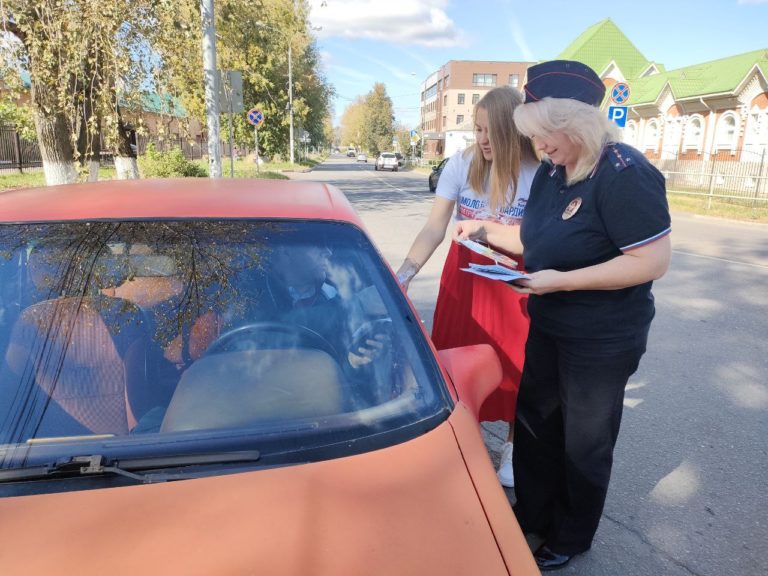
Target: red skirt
475, 310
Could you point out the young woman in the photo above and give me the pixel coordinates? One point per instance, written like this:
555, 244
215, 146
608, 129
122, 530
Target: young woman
595, 236
488, 181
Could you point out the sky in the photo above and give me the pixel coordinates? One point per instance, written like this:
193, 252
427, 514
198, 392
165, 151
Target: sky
401, 42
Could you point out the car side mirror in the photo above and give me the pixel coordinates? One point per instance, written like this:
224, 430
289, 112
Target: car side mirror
475, 372
434, 168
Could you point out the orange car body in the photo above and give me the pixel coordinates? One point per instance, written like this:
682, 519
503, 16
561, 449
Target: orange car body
430, 505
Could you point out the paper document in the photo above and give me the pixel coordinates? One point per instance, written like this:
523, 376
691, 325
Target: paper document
489, 253
495, 272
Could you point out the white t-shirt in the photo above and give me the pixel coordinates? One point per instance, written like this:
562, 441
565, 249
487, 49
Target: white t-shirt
454, 185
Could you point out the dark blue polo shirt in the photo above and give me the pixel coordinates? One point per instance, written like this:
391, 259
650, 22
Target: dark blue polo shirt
621, 206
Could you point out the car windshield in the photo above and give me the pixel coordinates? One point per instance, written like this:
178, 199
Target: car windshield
145, 338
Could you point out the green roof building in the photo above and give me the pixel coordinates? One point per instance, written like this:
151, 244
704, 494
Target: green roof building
716, 109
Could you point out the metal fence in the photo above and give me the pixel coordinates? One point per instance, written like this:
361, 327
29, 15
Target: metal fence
744, 181
16, 153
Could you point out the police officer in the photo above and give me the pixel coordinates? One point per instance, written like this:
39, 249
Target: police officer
595, 234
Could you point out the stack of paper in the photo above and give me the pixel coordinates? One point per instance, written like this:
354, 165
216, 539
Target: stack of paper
489, 252
495, 272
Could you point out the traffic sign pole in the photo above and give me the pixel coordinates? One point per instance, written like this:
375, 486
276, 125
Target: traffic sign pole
256, 118
256, 138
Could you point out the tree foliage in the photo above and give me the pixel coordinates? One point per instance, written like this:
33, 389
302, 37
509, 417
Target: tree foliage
368, 122
92, 63
379, 120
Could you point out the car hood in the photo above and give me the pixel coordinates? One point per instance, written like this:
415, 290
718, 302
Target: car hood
407, 509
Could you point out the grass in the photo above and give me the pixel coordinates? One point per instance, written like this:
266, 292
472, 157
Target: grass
718, 208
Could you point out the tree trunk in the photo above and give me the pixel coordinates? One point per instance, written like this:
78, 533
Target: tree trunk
53, 132
125, 158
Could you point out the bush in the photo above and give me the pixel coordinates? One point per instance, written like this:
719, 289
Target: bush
154, 164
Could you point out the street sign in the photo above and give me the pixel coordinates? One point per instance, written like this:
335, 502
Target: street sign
231, 91
620, 93
618, 114
415, 137
255, 117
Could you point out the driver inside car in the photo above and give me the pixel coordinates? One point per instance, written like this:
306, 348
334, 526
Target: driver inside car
298, 290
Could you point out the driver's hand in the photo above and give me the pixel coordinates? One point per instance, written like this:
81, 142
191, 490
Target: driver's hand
366, 354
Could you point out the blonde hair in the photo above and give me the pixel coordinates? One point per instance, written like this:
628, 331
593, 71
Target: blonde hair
586, 126
508, 145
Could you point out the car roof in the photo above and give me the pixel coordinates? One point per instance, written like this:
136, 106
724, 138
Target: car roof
178, 198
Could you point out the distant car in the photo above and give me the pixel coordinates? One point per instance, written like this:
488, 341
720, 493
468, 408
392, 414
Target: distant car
351, 153
386, 161
362, 157
163, 389
434, 176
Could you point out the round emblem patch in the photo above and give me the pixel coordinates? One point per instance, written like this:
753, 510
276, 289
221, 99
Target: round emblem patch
572, 208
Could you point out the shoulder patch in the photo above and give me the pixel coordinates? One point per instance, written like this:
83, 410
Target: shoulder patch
620, 158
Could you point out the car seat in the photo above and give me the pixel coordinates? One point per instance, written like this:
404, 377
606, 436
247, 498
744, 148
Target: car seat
74, 361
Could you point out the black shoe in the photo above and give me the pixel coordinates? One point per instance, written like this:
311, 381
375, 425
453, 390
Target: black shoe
548, 560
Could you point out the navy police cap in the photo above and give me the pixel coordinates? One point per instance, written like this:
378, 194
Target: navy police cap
564, 79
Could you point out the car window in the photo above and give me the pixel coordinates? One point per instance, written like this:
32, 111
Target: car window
137, 338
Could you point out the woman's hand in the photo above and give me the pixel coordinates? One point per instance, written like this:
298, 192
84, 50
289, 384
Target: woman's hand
541, 282
472, 229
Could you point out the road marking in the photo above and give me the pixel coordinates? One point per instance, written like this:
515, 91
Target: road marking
381, 179
728, 260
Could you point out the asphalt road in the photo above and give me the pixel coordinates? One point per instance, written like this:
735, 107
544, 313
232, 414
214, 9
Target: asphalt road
689, 492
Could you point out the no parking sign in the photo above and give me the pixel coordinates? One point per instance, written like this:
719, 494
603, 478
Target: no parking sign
255, 117
619, 95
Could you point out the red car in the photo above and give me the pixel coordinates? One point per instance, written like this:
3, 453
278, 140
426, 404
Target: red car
223, 377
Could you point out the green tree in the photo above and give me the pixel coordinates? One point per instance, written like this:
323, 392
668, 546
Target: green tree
353, 124
378, 120
87, 60
255, 37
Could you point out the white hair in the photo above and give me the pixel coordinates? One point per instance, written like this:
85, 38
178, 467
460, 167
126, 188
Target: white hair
586, 126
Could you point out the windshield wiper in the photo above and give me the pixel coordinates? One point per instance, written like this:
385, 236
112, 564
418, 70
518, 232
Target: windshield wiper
96, 465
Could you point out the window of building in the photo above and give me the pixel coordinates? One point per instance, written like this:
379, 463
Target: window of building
459, 119
430, 92
756, 133
445, 100
514, 80
726, 134
460, 99
445, 82
475, 98
651, 140
483, 79
445, 122
630, 133
693, 138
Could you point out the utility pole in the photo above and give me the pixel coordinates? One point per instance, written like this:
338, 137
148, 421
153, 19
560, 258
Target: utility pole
211, 87
290, 95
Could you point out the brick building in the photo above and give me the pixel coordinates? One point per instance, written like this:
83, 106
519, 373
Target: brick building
448, 97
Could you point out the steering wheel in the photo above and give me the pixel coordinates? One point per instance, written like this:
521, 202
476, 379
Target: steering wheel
270, 334
368, 331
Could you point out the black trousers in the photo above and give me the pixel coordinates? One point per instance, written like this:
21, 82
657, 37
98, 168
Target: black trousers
568, 415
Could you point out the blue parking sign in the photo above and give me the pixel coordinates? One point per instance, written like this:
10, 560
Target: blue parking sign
618, 114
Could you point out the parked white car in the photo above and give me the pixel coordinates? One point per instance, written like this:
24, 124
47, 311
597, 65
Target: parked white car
362, 157
386, 161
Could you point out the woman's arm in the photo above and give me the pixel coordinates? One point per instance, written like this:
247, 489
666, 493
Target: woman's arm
507, 238
637, 266
427, 240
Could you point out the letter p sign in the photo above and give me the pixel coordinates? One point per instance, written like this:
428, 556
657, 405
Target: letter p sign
618, 114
